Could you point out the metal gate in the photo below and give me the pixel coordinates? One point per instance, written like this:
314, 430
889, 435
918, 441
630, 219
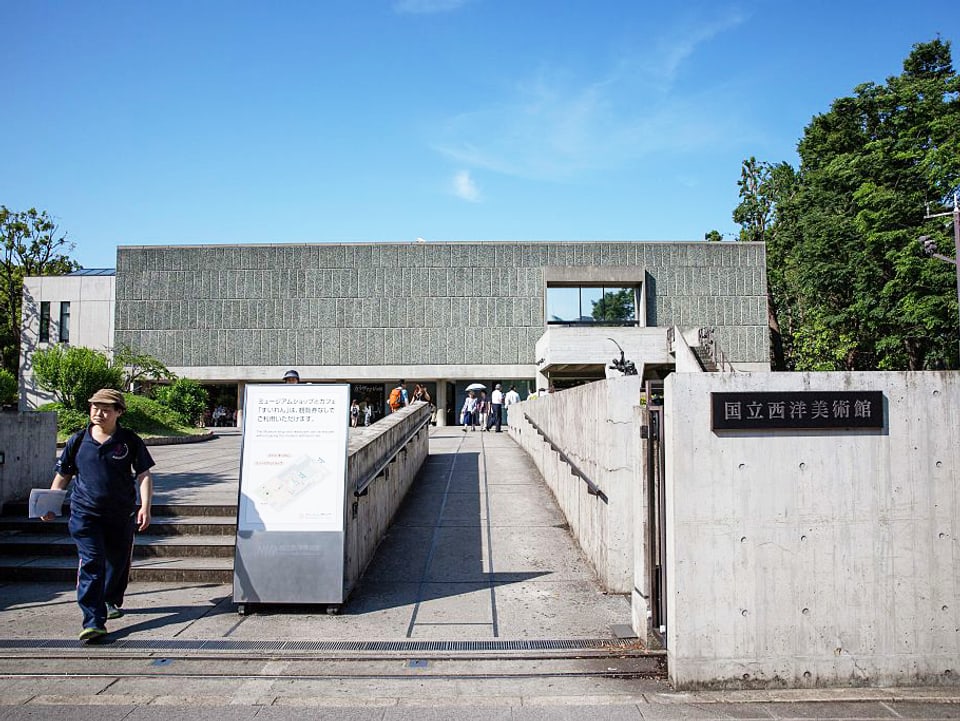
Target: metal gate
656, 510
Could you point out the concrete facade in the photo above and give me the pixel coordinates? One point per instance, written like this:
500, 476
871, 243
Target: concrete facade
805, 558
595, 426
92, 299
384, 460
28, 444
442, 311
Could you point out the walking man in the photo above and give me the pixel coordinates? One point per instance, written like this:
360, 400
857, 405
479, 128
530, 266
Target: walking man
510, 398
107, 461
496, 399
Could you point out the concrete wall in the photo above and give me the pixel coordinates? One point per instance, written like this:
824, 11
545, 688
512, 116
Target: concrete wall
814, 558
595, 425
580, 346
410, 310
91, 299
368, 516
29, 445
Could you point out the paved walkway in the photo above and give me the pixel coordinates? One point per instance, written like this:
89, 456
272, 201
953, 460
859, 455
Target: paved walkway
478, 553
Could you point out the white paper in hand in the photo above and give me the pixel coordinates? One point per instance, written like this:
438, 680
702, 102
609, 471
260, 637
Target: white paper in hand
43, 501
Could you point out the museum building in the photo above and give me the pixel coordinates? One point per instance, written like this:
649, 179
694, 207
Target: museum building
444, 314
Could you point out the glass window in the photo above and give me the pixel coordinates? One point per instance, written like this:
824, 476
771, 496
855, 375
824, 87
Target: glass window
615, 305
44, 321
589, 298
609, 305
563, 305
65, 322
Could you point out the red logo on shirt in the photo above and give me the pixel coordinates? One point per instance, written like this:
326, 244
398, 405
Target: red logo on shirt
119, 452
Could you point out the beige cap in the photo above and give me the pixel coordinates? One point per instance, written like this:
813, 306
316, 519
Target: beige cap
109, 395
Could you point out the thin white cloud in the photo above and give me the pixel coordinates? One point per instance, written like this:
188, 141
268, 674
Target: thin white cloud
464, 187
667, 53
427, 7
551, 128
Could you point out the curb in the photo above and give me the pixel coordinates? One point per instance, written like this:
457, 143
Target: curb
166, 440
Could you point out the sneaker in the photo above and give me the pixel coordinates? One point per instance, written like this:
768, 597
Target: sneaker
114, 611
91, 634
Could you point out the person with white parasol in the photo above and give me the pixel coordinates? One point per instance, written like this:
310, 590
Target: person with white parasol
469, 411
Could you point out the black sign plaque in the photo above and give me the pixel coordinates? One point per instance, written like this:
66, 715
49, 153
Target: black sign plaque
813, 410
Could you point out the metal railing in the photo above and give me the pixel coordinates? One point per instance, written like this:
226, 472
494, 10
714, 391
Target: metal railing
592, 488
387, 458
709, 342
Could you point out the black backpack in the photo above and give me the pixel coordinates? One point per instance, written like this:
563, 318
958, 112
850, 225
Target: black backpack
73, 447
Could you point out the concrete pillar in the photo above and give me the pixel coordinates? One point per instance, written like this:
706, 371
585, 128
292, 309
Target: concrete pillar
241, 389
441, 401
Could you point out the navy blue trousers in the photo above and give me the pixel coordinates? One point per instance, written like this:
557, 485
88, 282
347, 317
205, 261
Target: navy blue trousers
105, 547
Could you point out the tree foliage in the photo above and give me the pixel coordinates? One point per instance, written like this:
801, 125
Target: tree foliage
188, 398
137, 366
31, 246
74, 374
9, 389
849, 286
615, 306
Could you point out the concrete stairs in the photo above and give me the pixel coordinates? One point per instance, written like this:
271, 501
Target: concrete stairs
705, 358
184, 543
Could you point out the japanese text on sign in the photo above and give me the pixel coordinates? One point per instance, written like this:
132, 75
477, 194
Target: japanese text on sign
284, 409
806, 409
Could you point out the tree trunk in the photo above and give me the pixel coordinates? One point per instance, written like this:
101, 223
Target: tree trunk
776, 340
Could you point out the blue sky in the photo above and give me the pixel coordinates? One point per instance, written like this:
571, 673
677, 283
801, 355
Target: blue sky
176, 122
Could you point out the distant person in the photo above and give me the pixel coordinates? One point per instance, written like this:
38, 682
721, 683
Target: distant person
291, 376
469, 411
398, 397
420, 394
106, 462
496, 408
483, 411
368, 413
509, 399
354, 413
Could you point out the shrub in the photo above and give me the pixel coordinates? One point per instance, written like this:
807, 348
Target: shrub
74, 374
144, 416
149, 417
186, 397
9, 390
68, 420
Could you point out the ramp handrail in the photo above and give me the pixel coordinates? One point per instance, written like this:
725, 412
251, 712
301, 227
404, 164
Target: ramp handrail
592, 488
388, 457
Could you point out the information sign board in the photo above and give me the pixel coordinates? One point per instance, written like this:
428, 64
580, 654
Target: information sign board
290, 517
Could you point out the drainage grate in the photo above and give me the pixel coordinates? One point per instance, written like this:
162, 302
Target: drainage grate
324, 646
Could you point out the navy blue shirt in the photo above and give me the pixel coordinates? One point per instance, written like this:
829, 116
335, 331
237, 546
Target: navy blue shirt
105, 474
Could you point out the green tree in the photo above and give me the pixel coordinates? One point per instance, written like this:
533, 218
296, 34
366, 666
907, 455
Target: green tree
137, 366
765, 190
31, 246
615, 306
188, 398
847, 277
713, 236
74, 374
9, 389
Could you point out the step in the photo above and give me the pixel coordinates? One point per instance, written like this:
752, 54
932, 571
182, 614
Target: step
64, 568
43, 544
159, 526
184, 543
18, 509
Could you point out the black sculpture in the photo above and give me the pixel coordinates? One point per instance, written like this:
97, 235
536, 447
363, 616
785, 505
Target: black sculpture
627, 367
